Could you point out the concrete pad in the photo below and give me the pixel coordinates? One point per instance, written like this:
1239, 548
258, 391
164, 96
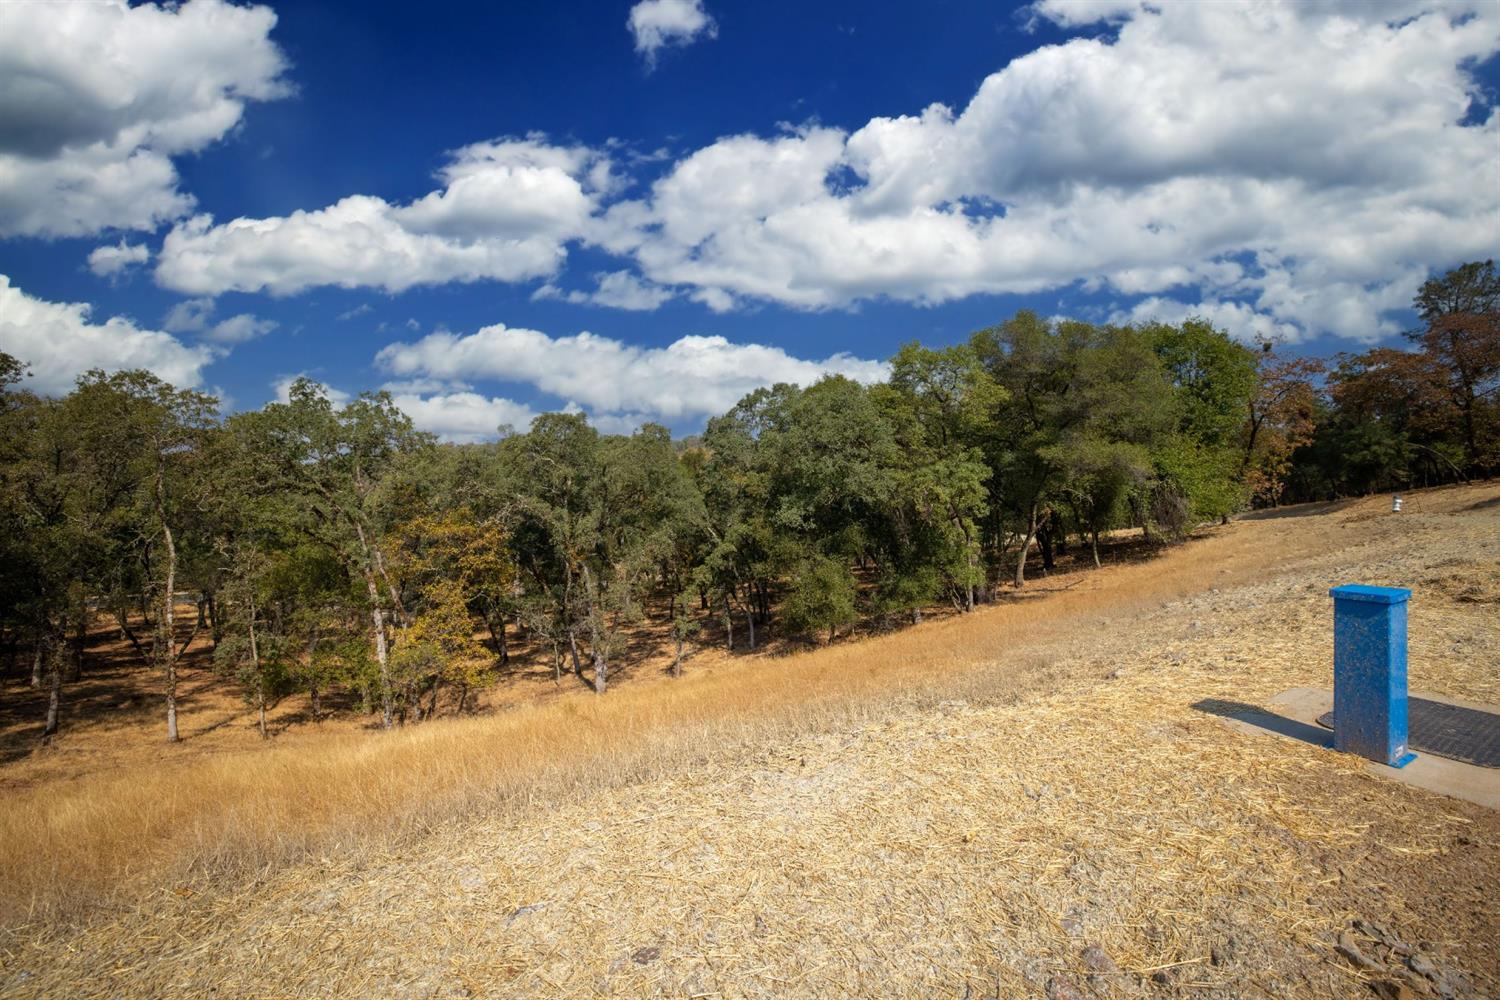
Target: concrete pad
1296, 717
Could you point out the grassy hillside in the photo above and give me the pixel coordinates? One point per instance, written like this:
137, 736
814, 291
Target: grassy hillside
964, 807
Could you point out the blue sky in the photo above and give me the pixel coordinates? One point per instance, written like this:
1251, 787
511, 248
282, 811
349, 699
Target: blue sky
643, 210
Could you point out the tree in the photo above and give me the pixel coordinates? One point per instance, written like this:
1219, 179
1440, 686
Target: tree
440, 644
556, 469
327, 464
821, 597
1282, 418
938, 404
1461, 339
1033, 360
1213, 379
256, 649
684, 627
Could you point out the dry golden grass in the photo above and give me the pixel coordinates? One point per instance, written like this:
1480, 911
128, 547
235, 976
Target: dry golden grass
932, 803
67, 844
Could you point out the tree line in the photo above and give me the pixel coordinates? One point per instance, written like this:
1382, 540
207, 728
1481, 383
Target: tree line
336, 549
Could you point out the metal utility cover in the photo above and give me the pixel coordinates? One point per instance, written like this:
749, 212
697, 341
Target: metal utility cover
1451, 731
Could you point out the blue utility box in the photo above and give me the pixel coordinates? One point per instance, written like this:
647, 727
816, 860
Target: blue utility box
1369, 672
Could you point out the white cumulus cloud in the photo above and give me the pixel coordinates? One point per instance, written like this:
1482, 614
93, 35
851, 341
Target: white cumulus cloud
240, 328
616, 290
59, 342
506, 212
694, 376
658, 24
464, 417
196, 316
1297, 163
1303, 158
110, 261
96, 98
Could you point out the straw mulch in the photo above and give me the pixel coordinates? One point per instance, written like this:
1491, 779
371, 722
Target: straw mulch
1113, 838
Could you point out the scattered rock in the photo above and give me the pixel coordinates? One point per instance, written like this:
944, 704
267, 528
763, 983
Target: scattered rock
1222, 952
1164, 977
1115, 674
1390, 989
1036, 793
1423, 968
760, 925
1097, 962
645, 956
1071, 926
1357, 958
1381, 933
1062, 988
522, 911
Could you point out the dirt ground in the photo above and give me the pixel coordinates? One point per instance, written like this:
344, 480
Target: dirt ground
1108, 838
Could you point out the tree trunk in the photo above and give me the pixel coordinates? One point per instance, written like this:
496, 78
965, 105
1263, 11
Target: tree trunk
596, 634
80, 639
432, 704
750, 621
504, 644
216, 628
127, 633
573, 648
1094, 544
969, 589
728, 624
463, 697
1020, 578
677, 660
382, 655
316, 698
402, 618
260, 681
54, 702
169, 638
377, 619
38, 654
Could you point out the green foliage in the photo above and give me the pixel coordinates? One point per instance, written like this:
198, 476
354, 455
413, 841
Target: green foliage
342, 549
821, 597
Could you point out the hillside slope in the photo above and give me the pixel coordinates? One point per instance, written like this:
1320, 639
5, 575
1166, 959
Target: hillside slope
1091, 825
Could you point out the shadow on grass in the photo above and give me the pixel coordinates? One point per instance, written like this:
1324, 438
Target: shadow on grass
1296, 510
1260, 718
